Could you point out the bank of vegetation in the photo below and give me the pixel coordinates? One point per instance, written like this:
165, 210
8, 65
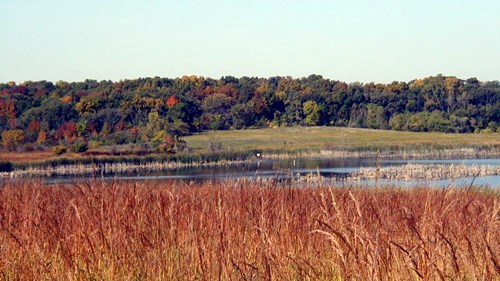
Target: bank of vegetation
155, 113
237, 230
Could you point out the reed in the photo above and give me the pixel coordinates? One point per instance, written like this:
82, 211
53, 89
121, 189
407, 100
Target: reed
105, 168
246, 230
426, 172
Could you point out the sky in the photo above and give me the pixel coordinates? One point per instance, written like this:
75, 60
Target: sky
348, 40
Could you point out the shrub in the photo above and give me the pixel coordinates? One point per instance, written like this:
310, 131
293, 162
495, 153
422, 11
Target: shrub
95, 144
80, 147
492, 126
59, 149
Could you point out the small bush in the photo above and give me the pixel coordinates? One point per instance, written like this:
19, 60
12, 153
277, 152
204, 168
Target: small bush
59, 149
80, 147
95, 144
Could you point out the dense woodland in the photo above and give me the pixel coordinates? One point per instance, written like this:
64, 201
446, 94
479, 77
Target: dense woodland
157, 111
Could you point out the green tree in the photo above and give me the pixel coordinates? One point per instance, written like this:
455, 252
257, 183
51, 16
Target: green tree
81, 128
399, 122
243, 115
106, 130
375, 118
312, 112
437, 122
492, 126
155, 125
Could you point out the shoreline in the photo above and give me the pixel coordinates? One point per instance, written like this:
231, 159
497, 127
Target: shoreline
153, 163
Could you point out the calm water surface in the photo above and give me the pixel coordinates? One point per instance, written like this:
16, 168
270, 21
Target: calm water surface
286, 168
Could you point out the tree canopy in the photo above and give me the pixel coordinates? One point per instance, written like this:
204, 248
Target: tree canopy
134, 110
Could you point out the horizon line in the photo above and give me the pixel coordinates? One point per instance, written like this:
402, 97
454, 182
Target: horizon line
240, 77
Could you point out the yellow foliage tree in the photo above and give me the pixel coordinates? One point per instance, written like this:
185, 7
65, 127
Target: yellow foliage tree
12, 138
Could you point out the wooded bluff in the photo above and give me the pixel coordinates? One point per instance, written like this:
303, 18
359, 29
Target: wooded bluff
156, 109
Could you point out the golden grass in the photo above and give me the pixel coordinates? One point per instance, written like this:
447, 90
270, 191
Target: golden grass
33, 156
234, 230
300, 138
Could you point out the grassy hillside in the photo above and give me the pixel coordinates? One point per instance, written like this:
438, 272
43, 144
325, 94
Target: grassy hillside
305, 138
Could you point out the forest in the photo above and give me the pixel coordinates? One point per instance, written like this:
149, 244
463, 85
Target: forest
158, 111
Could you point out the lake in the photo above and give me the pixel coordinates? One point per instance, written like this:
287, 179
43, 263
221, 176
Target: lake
288, 168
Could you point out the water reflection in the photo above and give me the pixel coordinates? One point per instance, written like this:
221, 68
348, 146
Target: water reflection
289, 168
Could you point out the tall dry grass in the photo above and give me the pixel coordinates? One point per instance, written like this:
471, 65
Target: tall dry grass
246, 231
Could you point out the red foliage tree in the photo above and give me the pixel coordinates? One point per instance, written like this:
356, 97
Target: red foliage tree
67, 131
120, 126
33, 130
34, 126
172, 101
21, 89
133, 130
7, 109
4, 92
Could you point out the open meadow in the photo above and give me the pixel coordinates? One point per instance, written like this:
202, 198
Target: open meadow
335, 138
237, 230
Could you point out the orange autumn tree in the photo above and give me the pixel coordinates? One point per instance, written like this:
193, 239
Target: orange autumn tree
42, 137
172, 101
7, 114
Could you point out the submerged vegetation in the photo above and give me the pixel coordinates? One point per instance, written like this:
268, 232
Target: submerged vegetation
246, 231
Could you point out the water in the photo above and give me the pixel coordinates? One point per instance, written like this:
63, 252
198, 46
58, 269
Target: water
287, 168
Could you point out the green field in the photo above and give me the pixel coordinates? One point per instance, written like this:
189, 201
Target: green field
333, 138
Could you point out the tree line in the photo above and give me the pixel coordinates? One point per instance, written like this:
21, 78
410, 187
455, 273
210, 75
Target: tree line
159, 110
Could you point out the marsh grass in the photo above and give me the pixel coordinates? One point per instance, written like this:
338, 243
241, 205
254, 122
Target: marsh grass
237, 230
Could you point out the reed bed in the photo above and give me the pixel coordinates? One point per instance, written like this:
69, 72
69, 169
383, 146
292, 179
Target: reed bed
107, 168
426, 172
237, 230
390, 152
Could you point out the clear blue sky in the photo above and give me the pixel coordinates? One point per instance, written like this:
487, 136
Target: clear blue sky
379, 41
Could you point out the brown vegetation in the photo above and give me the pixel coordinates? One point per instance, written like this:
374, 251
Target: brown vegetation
34, 156
236, 230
